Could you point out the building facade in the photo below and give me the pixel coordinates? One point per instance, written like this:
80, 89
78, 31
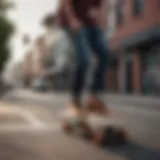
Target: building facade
39, 56
28, 69
60, 51
135, 42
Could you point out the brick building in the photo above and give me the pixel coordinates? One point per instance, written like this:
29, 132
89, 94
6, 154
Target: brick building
134, 27
28, 69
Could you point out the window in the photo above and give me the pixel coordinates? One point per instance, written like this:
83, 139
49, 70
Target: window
111, 18
138, 7
151, 71
120, 12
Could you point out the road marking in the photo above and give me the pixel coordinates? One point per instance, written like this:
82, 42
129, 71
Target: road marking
30, 117
29, 129
24, 113
35, 125
7, 110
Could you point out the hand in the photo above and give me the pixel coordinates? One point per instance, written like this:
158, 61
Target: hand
75, 25
93, 13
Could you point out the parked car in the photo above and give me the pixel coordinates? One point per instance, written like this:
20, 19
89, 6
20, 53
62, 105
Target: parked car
39, 85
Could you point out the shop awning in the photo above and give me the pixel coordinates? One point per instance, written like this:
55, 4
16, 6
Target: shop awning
142, 37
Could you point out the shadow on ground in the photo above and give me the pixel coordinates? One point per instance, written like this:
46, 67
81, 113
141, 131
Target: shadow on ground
134, 151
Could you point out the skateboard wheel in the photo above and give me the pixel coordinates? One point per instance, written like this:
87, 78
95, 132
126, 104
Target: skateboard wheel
67, 128
110, 136
86, 131
87, 135
99, 138
122, 136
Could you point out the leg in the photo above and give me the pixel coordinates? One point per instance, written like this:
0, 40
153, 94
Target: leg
83, 55
101, 49
76, 117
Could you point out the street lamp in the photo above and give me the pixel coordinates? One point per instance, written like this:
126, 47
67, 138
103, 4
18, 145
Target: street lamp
26, 39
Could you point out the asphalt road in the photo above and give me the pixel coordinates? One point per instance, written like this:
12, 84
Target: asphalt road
30, 129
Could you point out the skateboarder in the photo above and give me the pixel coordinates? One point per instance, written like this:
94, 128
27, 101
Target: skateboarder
84, 22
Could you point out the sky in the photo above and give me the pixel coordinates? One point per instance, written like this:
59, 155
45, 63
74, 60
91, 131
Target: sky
27, 16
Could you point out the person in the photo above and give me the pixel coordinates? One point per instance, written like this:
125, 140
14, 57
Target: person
84, 22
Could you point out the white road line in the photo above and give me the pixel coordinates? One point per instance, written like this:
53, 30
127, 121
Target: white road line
8, 110
29, 129
35, 125
30, 117
24, 113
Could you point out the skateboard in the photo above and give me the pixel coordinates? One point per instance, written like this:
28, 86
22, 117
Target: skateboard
99, 132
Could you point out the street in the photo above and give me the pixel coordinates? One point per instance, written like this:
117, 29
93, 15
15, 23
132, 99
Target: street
30, 129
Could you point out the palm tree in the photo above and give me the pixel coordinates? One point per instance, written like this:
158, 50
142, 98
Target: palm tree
6, 30
5, 5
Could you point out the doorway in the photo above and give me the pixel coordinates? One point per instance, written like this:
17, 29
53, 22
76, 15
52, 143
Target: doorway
129, 74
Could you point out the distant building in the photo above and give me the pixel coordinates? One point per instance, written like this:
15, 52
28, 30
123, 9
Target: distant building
59, 53
28, 69
135, 40
39, 56
26, 39
17, 74
13, 73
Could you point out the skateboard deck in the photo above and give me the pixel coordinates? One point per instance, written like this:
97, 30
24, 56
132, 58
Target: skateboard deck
102, 131
107, 130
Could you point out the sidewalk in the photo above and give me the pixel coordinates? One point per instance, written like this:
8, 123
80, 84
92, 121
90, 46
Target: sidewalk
47, 142
146, 102
141, 99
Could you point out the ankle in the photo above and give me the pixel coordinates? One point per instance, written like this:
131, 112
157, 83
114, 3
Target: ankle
93, 97
76, 101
